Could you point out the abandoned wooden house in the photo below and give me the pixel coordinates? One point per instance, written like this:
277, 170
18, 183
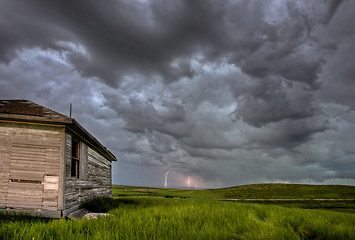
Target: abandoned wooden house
49, 163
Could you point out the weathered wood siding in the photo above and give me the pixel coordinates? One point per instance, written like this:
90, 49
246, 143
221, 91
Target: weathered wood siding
30, 166
94, 176
5, 158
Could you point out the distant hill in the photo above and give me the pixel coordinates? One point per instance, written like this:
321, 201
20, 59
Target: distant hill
253, 191
287, 191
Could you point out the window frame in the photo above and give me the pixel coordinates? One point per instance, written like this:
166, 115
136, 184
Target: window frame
75, 158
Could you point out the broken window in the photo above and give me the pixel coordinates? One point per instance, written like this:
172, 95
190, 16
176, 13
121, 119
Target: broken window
75, 158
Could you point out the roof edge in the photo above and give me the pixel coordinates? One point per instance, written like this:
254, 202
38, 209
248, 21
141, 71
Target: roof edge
12, 116
109, 155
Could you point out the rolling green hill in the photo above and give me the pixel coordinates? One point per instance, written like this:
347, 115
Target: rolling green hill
288, 191
254, 191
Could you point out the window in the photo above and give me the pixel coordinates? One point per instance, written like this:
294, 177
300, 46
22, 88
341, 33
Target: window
75, 156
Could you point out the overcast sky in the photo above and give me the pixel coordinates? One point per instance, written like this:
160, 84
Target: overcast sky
199, 93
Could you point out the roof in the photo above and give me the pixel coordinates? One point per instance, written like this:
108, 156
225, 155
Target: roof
29, 111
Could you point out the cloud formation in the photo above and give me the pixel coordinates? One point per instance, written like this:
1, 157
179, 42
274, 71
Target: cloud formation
227, 93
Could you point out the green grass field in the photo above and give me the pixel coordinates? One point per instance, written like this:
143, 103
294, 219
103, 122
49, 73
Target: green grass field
146, 213
253, 191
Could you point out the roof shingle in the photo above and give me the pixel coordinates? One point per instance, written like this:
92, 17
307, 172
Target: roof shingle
27, 110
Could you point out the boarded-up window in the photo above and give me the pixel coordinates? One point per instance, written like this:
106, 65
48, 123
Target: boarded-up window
75, 158
26, 175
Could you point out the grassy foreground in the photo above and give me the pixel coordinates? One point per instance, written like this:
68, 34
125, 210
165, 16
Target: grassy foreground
160, 218
153, 213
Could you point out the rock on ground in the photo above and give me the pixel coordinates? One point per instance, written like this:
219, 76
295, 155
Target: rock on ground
95, 215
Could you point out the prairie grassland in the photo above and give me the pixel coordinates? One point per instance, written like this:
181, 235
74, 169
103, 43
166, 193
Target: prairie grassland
166, 218
253, 191
292, 195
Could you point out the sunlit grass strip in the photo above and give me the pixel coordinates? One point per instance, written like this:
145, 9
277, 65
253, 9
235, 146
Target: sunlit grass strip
254, 191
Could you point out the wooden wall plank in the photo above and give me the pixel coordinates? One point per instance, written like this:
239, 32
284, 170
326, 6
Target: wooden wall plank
30, 155
61, 174
95, 183
5, 154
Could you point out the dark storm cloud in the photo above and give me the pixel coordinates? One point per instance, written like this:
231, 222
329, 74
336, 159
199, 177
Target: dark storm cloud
272, 100
147, 114
290, 134
332, 7
118, 42
228, 92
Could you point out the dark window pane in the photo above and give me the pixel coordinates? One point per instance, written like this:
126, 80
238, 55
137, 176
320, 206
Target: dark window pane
75, 158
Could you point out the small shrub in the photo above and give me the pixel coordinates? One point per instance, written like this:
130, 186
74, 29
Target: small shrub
105, 204
100, 205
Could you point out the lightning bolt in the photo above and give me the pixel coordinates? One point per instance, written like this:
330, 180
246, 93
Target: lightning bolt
166, 179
